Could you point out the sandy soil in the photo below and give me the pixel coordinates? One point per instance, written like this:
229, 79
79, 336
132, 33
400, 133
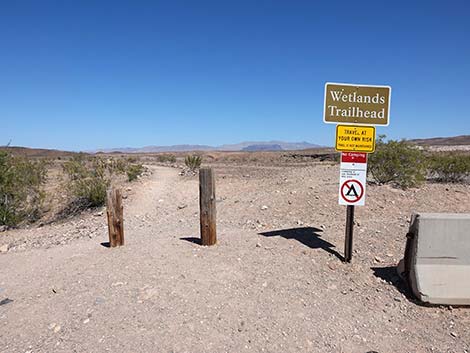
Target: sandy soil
274, 283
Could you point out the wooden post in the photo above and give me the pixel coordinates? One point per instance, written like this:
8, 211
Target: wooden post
115, 218
348, 241
207, 206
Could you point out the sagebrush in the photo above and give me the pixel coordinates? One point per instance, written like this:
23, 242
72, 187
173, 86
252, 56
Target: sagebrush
87, 182
88, 179
134, 171
397, 162
449, 167
163, 158
21, 189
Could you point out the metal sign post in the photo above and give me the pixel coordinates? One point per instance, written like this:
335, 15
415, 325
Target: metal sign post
348, 240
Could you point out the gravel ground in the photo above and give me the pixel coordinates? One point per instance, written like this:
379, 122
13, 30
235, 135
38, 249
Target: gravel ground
274, 283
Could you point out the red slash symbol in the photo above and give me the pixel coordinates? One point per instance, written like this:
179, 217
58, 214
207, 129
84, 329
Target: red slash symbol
352, 191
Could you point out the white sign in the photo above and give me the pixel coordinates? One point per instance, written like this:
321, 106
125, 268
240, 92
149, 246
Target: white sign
352, 179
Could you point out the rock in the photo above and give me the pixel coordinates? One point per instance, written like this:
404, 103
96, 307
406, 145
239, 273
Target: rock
6, 301
86, 321
3, 228
56, 328
98, 214
99, 300
264, 208
377, 259
453, 334
180, 207
4, 248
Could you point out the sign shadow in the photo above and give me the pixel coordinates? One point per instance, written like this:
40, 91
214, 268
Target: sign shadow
306, 235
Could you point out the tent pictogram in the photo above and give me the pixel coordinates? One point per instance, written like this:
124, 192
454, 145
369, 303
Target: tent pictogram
352, 191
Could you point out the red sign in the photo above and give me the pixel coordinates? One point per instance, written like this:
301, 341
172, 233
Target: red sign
352, 191
353, 157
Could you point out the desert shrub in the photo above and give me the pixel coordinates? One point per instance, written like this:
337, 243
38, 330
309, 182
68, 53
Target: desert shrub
118, 166
449, 168
21, 194
88, 181
193, 162
397, 162
134, 171
76, 167
162, 158
91, 191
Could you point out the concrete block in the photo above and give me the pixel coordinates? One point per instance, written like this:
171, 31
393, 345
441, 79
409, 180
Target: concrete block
437, 258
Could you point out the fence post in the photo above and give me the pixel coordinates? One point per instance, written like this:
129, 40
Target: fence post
207, 206
114, 210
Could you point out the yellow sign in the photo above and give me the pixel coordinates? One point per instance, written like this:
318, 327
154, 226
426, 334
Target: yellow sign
356, 104
351, 138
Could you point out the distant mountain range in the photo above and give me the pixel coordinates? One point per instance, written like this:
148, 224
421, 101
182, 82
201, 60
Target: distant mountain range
243, 146
444, 141
463, 140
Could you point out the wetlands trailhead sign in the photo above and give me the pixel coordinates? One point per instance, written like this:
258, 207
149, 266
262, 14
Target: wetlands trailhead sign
356, 104
356, 110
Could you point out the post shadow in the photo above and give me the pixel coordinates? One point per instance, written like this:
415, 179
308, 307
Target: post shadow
106, 244
306, 235
193, 240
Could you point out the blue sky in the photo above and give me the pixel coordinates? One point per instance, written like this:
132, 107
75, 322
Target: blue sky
80, 75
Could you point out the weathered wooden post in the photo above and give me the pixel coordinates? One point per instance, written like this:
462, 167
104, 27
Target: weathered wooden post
207, 206
115, 218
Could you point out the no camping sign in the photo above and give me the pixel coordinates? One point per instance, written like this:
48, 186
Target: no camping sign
352, 179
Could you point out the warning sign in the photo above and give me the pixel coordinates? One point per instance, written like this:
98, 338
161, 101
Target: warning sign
355, 138
352, 179
352, 191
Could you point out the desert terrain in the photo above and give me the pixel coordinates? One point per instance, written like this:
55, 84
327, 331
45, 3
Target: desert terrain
275, 282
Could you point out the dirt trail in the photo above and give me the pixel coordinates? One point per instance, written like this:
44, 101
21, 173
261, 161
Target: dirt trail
280, 292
